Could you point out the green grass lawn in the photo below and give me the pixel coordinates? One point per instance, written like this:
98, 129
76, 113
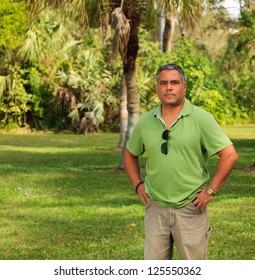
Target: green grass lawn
63, 197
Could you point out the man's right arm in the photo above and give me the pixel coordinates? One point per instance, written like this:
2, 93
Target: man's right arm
132, 168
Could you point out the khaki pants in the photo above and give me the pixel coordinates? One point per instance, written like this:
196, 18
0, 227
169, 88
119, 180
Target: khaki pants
187, 227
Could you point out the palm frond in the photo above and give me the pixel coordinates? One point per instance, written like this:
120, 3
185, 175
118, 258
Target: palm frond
97, 114
29, 52
74, 115
122, 32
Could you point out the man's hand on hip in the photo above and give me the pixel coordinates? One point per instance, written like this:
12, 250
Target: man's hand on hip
143, 195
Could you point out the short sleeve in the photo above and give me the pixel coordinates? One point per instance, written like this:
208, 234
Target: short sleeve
135, 142
213, 137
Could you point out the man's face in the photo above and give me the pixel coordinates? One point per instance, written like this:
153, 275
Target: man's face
170, 88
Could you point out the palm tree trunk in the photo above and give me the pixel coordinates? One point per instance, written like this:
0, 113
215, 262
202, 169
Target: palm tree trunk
133, 104
132, 11
123, 113
168, 32
133, 107
161, 25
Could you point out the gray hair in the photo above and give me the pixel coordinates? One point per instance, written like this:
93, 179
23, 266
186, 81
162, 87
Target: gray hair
171, 66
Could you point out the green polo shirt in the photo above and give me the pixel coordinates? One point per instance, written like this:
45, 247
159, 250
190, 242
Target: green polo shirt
173, 180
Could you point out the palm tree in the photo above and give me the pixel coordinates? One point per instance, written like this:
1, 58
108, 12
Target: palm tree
170, 12
128, 9
127, 18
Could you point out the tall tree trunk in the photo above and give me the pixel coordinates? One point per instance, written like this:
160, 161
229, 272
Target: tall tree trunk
133, 104
248, 4
123, 113
132, 11
161, 26
133, 108
168, 32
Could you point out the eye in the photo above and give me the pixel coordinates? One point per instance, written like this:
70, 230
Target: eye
175, 82
163, 83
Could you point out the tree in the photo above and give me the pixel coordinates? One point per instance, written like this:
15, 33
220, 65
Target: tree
48, 45
185, 13
131, 11
238, 66
75, 65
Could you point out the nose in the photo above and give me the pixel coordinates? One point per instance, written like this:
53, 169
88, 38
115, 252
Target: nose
169, 86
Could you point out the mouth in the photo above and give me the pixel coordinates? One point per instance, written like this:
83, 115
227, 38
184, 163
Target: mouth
169, 94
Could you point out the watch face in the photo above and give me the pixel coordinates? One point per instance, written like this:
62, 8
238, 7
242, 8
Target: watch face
211, 192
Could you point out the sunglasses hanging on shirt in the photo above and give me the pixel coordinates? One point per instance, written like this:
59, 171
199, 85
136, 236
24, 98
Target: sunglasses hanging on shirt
164, 146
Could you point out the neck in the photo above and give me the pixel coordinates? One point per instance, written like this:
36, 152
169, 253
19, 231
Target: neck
170, 113
171, 109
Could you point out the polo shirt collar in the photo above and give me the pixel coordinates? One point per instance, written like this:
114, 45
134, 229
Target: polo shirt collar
186, 110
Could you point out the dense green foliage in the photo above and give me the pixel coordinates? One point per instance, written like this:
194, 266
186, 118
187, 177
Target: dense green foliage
13, 24
56, 73
238, 69
62, 197
205, 87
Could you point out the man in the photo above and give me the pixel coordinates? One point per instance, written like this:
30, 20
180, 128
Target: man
178, 138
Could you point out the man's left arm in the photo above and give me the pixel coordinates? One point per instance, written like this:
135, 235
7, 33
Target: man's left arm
228, 157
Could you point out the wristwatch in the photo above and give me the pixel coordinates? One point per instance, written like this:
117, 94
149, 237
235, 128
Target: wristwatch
210, 192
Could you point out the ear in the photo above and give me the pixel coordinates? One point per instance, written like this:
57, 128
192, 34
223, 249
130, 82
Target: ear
185, 87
